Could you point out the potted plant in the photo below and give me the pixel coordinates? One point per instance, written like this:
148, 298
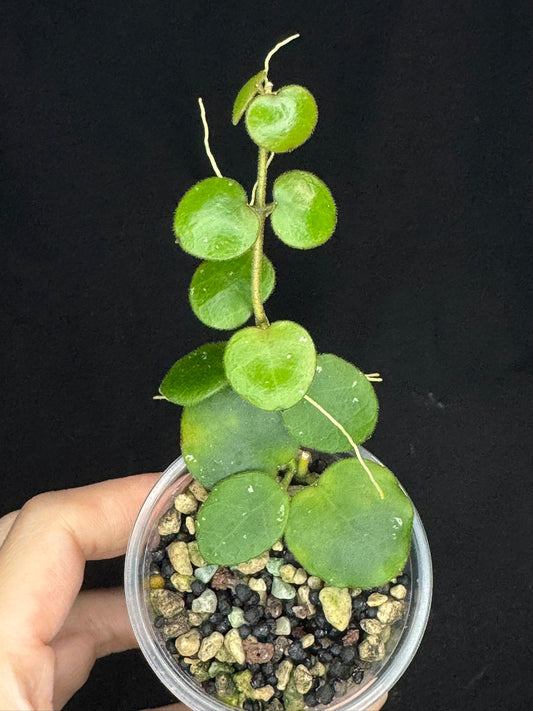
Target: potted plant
269, 567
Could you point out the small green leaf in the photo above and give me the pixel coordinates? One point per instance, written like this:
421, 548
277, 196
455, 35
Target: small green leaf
242, 517
283, 120
305, 214
271, 367
346, 394
214, 221
220, 292
343, 532
195, 376
224, 434
245, 95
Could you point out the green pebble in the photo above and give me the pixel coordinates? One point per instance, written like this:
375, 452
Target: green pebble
236, 617
274, 564
205, 572
282, 590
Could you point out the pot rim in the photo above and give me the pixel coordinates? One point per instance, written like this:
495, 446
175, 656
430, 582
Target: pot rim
181, 683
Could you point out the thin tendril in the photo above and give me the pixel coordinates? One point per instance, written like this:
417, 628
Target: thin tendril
350, 440
206, 140
273, 51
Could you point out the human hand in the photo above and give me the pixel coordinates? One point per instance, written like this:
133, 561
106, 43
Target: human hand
51, 632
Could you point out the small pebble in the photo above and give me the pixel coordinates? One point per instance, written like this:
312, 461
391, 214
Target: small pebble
195, 555
314, 582
186, 503
182, 582
274, 606
300, 576
274, 565
264, 693
307, 641
210, 646
337, 606
391, 611
282, 590
355, 592
302, 678
371, 649
188, 644
207, 602
371, 626
233, 643
178, 554
258, 652
376, 599
287, 573
178, 626
169, 523
283, 626
156, 582
278, 546
398, 591
205, 573
283, 673
254, 565
195, 618
190, 525
198, 491
166, 602
236, 617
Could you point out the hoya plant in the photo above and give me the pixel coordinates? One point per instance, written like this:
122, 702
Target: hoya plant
255, 403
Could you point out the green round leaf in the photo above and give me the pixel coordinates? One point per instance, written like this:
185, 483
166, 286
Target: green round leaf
305, 215
271, 367
242, 517
220, 292
224, 434
195, 376
283, 120
245, 95
343, 532
214, 221
346, 394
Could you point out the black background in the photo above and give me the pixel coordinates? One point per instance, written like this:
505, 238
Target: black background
422, 138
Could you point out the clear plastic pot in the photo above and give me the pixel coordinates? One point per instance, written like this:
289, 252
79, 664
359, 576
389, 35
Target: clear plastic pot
380, 678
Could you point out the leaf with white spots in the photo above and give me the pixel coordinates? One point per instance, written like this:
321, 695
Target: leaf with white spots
243, 516
345, 393
343, 532
271, 367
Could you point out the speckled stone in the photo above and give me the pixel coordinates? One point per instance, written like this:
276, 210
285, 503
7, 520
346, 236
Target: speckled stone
182, 582
195, 555
376, 599
263, 693
195, 618
398, 591
254, 565
166, 602
233, 643
371, 626
198, 491
169, 523
371, 649
210, 646
178, 555
188, 644
186, 503
258, 652
177, 626
302, 679
274, 607
206, 602
337, 606
391, 611
287, 573
283, 673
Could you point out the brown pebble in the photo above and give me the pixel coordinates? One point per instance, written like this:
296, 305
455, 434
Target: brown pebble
298, 632
300, 611
258, 652
220, 579
351, 637
274, 607
280, 645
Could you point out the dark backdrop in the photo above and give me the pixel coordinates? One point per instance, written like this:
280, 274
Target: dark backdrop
422, 138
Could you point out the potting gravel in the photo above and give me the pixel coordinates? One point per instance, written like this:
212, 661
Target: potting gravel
264, 635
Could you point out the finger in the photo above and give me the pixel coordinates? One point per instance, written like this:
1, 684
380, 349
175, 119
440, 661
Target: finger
378, 704
52, 536
97, 625
6, 522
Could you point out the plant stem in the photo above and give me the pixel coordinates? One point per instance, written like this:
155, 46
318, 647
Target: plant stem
261, 320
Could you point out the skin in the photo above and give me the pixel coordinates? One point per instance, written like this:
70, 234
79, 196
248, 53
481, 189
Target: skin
51, 632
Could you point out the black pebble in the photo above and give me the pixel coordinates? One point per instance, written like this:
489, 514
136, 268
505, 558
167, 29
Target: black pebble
253, 599
289, 557
248, 705
210, 686
358, 604
324, 656
223, 626
168, 586
310, 699
358, 675
158, 555
336, 649
224, 607
167, 540
296, 652
338, 670
254, 614
170, 644
325, 694
155, 569
167, 569
197, 587
189, 597
402, 580
314, 597
216, 618
276, 554
245, 631
371, 613
347, 655
268, 669
206, 628
261, 631
184, 537
257, 680
159, 621
243, 592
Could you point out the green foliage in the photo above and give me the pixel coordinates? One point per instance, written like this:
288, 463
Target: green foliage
195, 376
259, 509
224, 434
346, 394
221, 292
282, 121
342, 531
213, 220
305, 214
271, 367
245, 95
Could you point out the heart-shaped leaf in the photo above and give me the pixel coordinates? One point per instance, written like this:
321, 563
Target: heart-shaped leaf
271, 367
242, 517
344, 392
245, 95
214, 221
343, 532
283, 120
196, 376
224, 434
220, 292
305, 215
